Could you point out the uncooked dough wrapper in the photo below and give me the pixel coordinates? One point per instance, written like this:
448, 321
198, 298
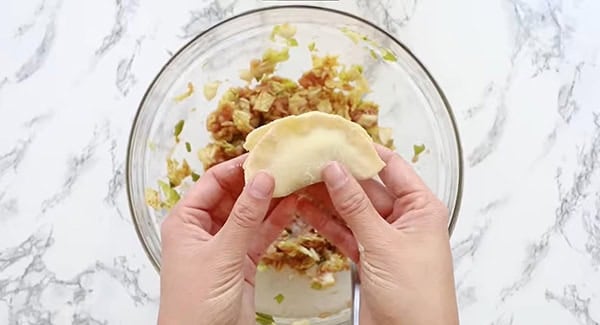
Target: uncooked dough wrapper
295, 149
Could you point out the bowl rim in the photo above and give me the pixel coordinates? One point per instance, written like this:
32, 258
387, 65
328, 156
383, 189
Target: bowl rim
128, 167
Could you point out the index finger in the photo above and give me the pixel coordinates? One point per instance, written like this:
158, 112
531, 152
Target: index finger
280, 217
377, 193
224, 179
352, 204
397, 175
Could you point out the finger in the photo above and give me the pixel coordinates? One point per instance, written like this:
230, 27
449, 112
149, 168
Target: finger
224, 179
399, 177
379, 196
336, 233
222, 210
281, 216
377, 193
352, 204
178, 221
274, 203
247, 214
249, 271
199, 218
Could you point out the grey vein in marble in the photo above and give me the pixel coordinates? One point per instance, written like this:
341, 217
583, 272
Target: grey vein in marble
85, 319
26, 27
475, 110
567, 109
76, 165
3, 82
35, 62
201, 19
380, 12
504, 320
592, 227
36, 120
127, 277
12, 159
8, 206
125, 79
466, 296
569, 203
123, 10
494, 135
567, 106
117, 180
532, 25
36, 280
535, 254
572, 301
469, 245
589, 163
35, 243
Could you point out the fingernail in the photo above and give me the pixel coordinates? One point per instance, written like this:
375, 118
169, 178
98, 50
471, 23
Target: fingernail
334, 175
262, 185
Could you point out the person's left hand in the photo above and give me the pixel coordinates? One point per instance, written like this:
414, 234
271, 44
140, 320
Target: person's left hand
211, 243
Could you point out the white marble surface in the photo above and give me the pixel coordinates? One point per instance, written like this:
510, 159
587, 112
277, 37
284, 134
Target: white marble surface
522, 75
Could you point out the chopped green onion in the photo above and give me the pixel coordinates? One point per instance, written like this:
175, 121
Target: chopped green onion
188, 147
264, 319
178, 128
389, 56
279, 298
195, 177
373, 54
171, 196
285, 31
417, 150
354, 36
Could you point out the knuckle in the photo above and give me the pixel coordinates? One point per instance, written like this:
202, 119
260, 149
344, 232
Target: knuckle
435, 204
417, 201
421, 201
353, 204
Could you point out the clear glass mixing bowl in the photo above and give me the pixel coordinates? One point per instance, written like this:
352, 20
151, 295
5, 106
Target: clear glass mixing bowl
410, 101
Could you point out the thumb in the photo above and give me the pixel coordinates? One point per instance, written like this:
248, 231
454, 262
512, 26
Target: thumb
248, 213
353, 205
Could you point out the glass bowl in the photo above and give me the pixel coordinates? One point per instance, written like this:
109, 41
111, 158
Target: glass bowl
411, 103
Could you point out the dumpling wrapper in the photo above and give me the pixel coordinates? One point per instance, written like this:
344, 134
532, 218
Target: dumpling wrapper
253, 137
256, 135
295, 149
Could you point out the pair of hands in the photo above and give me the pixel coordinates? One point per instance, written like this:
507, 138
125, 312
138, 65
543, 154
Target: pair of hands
396, 232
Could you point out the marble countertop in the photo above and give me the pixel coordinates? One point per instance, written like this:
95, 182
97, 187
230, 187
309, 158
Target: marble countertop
522, 75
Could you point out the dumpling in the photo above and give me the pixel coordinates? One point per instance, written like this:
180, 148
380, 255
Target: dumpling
256, 134
295, 149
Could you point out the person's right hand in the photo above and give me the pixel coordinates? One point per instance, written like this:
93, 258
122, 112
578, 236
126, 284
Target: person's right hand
398, 234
